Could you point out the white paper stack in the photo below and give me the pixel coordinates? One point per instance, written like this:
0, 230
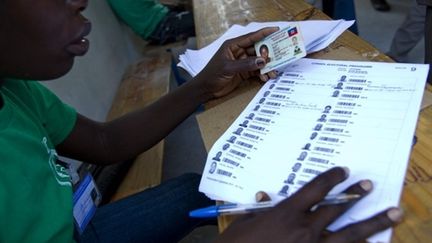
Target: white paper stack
317, 35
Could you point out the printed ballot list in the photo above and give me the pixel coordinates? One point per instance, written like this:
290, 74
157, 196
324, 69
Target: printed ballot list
315, 115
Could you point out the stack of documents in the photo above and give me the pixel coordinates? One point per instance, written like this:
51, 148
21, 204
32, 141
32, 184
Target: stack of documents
317, 35
316, 115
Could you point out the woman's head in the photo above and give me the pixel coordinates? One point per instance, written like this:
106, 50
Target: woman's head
264, 51
39, 39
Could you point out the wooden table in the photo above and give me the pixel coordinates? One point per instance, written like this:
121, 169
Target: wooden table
212, 18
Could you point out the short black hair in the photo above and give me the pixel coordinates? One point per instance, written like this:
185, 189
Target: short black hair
263, 47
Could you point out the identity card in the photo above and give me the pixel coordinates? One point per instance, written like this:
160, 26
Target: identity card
281, 48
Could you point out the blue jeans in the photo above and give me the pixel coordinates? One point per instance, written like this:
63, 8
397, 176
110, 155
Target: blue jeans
159, 214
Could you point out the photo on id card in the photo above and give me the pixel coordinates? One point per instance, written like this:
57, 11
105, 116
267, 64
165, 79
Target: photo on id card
281, 48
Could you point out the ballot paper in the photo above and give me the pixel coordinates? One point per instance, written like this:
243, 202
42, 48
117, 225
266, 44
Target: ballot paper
317, 35
315, 115
281, 48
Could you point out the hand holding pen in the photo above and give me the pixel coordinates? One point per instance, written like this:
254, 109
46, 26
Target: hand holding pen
293, 220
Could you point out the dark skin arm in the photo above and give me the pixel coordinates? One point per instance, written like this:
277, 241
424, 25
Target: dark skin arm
134, 133
292, 220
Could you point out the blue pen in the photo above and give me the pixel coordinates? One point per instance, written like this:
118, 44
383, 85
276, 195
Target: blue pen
233, 208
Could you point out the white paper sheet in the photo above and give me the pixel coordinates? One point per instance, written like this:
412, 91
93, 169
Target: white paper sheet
285, 136
317, 35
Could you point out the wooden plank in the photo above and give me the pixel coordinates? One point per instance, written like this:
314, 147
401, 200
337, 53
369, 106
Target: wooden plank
142, 84
427, 99
417, 198
212, 18
145, 172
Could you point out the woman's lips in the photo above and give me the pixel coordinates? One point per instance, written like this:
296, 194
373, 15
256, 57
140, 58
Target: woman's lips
81, 44
79, 47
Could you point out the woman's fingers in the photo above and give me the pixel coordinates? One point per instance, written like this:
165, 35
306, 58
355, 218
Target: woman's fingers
315, 191
327, 214
366, 228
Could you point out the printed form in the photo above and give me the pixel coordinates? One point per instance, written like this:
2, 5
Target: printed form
315, 115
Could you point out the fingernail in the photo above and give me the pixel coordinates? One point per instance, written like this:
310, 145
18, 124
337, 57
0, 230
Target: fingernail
366, 185
347, 171
260, 62
259, 196
395, 214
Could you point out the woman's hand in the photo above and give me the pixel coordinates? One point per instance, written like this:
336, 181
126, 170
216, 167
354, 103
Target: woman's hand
235, 61
292, 220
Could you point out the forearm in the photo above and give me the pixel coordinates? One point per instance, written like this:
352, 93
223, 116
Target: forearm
133, 133
138, 131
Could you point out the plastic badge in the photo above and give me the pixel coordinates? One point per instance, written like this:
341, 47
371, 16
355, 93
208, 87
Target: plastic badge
85, 200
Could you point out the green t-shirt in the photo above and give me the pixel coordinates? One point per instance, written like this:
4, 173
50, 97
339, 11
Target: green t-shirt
35, 192
142, 16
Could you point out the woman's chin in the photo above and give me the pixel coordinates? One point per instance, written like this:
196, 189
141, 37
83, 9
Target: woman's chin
55, 72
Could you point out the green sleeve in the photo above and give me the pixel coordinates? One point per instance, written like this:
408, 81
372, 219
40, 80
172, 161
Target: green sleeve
142, 16
58, 118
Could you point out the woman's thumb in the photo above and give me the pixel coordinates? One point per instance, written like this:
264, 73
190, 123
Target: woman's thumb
245, 65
